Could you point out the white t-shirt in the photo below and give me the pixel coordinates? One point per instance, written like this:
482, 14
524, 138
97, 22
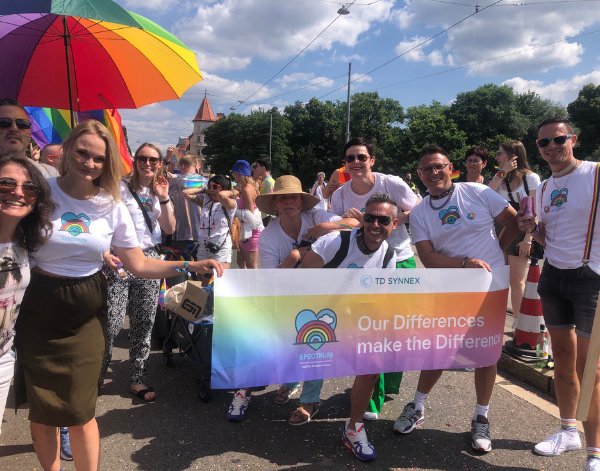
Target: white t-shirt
327, 246
565, 212
47, 171
344, 199
274, 245
82, 231
317, 190
213, 217
12, 287
153, 207
464, 227
533, 181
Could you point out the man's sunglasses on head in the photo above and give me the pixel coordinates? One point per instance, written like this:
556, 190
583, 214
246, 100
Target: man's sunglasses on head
20, 122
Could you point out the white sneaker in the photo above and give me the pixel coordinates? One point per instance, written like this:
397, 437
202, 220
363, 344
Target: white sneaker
592, 465
409, 420
237, 409
370, 416
558, 443
356, 440
480, 434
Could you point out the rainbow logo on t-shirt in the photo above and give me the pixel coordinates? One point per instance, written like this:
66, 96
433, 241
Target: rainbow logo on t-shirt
559, 197
450, 215
75, 224
147, 204
471, 216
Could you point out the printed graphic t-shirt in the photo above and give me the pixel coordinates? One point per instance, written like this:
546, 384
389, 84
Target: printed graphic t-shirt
327, 246
565, 211
213, 217
344, 199
146, 238
464, 227
82, 231
274, 245
14, 278
187, 214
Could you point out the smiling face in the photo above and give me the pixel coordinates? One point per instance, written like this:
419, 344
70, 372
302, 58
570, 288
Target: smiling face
356, 168
12, 139
88, 157
288, 205
375, 232
502, 156
556, 155
14, 204
145, 168
434, 171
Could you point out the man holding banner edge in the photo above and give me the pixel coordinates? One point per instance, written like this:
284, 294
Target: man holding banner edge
453, 228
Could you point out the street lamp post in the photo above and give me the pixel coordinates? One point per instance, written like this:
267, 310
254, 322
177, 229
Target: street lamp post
348, 104
270, 133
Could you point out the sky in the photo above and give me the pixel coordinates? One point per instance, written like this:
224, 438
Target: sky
253, 53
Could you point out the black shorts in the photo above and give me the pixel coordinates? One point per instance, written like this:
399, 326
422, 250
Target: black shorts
569, 298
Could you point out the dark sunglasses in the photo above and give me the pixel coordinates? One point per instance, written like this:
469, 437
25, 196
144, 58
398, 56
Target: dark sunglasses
382, 220
21, 123
360, 157
154, 161
30, 189
214, 187
558, 140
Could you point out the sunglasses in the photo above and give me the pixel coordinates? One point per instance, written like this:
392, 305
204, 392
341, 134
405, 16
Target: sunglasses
21, 123
437, 168
558, 140
360, 157
154, 161
214, 187
29, 189
382, 220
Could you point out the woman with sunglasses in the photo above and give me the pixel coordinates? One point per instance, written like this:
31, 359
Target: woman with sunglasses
218, 211
513, 181
25, 208
146, 196
64, 309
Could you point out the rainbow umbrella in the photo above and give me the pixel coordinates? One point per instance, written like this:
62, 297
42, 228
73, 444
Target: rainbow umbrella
89, 54
52, 126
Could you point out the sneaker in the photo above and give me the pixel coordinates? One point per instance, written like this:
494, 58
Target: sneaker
65, 445
238, 407
357, 442
409, 420
480, 432
370, 416
559, 442
592, 465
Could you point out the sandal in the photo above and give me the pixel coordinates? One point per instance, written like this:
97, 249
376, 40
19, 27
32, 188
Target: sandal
303, 415
282, 396
141, 394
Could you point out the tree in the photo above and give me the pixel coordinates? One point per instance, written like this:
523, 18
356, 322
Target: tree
584, 113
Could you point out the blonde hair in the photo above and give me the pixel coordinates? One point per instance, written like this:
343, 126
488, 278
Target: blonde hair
248, 180
189, 160
517, 148
135, 179
113, 169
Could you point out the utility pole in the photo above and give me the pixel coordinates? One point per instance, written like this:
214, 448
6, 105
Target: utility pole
270, 133
348, 104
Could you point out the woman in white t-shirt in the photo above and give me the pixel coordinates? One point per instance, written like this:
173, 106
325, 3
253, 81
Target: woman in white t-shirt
25, 207
513, 181
283, 244
63, 316
218, 211
139, 294
317, 190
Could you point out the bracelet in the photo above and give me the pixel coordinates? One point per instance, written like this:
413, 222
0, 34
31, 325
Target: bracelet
465, 261
183, 269
166, 201
500, 173
536, 231
528, 242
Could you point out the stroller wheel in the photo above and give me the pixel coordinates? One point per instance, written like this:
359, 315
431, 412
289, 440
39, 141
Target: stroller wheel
167, 353
203, 388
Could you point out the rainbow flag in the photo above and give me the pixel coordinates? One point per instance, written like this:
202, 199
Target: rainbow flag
52, 126
454, 175
161, 296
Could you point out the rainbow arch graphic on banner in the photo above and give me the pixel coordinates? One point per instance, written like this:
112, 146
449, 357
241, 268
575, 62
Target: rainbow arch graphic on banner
315, 330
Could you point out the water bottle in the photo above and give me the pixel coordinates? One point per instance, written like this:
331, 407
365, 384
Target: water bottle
541, 349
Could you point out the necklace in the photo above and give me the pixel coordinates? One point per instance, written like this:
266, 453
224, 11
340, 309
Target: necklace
445, 193
559, 189
565, 170
449, 192
360, 241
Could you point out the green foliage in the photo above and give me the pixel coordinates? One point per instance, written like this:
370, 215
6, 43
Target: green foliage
584, 113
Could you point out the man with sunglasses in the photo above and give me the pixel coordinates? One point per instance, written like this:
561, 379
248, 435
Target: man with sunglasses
570, 280
367, 249
452, 228
15, 133
349, 201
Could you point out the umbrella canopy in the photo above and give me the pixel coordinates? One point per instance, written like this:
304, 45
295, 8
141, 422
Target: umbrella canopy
111, 65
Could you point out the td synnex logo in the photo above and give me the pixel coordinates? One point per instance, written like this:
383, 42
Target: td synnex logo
366, 281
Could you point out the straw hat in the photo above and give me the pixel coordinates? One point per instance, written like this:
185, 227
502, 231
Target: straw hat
285, 185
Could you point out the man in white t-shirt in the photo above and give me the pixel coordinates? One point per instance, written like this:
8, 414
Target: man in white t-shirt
570, 280
367, 248
452, 228
349, 201
15, 133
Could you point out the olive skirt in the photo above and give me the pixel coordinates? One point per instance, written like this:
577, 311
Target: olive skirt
60, 341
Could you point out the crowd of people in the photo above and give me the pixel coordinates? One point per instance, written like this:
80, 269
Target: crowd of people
78, 250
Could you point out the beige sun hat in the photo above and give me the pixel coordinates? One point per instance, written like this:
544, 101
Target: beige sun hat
285, 185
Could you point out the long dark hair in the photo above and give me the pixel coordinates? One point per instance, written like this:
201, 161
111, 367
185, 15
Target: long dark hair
35, 228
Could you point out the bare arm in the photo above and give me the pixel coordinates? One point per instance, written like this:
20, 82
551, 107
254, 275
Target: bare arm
320, 230
136, 262
332, 185
432, 259
312, 260
529, 224
508, 166
194, 195
508, 218
294, 257
226, 199
248, 195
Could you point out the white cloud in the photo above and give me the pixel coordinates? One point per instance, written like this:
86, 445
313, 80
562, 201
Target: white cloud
145, 128
302, 79
359, 78
435, 57
227, 35
564, 91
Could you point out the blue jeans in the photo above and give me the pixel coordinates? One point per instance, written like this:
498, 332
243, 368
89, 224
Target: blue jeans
311, 390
